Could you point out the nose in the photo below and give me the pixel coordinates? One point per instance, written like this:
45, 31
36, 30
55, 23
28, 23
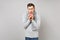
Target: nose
30, 11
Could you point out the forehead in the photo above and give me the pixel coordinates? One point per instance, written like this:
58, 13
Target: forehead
30, 7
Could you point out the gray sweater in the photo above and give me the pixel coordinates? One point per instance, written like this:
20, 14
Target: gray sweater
31, 27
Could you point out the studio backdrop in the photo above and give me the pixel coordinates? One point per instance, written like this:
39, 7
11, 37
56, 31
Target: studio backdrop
11, 24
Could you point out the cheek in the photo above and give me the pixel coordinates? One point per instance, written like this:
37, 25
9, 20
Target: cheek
28, 10
32, 10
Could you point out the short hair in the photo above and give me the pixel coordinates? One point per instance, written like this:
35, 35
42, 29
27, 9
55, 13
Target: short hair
30, 4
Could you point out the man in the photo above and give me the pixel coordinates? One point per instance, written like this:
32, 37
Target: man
31, 23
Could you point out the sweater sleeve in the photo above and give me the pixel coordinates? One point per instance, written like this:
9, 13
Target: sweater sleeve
26, 21
36, 24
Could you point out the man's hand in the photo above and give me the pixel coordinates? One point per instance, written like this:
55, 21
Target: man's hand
30, 17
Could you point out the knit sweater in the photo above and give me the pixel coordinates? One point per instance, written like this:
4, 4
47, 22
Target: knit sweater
32, 27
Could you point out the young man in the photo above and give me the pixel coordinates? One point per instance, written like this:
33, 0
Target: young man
31, 23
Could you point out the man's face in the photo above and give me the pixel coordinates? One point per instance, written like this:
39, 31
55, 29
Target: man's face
31, 9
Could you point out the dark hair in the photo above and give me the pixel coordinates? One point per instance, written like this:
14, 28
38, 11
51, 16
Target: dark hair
30, 4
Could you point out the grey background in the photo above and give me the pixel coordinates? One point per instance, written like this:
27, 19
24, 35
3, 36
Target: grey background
11, 25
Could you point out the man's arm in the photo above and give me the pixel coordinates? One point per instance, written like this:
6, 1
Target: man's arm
26, 21
37, 23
